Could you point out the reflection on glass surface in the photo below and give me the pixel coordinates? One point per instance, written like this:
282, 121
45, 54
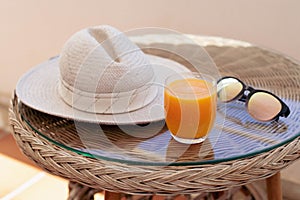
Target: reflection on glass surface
239, 136
160, 149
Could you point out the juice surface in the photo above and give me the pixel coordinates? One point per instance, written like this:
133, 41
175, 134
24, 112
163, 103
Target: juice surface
190, 107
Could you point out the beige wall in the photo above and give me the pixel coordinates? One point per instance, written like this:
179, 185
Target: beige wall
34, 30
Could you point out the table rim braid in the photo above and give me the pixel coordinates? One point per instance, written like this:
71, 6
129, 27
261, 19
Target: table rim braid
136, 180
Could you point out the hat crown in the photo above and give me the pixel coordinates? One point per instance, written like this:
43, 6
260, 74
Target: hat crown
103, 60
102, 71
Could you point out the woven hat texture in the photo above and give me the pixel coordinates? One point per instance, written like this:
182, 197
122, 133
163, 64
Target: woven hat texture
102, 71
102, 76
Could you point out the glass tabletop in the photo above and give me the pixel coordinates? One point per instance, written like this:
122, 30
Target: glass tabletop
235, 134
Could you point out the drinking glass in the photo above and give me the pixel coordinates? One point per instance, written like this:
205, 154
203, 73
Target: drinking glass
190, 102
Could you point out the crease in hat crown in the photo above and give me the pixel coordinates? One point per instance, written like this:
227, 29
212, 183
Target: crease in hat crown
102, 71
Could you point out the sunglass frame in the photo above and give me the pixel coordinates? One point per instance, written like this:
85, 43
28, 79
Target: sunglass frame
241, 96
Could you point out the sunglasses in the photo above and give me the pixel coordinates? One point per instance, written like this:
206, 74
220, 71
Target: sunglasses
261, 105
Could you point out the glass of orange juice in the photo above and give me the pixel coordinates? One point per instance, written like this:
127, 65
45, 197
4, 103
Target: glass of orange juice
190, 106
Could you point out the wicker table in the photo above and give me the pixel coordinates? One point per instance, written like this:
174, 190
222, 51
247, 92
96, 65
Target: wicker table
257, 151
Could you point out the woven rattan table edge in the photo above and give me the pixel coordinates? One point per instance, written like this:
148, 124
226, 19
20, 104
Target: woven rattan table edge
132, 179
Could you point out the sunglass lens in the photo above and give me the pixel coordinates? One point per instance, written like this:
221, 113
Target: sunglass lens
263, 106
229, 89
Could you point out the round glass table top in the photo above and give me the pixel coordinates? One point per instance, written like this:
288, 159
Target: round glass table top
235, 134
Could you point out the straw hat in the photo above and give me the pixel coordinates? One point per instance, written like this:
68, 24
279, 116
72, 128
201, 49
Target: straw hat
100, 76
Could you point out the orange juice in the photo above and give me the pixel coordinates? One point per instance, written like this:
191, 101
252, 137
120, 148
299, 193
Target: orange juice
190, 107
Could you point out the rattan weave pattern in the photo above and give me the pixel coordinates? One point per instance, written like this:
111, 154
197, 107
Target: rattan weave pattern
132, 179
249, 191
237, 136
280, 75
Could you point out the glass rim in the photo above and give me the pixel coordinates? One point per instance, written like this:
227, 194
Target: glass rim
212, 79
212, 86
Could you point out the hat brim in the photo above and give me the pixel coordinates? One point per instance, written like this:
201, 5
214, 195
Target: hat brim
38, 89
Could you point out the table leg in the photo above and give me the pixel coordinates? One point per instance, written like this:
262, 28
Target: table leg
158, 197
274, 187
112, 196
78, 191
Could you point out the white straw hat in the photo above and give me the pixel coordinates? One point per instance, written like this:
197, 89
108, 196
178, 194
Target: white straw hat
102, 71
100, 76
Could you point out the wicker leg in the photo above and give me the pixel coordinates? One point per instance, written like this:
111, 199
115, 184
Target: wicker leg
81, 192
158, 197
274, 187
112, 196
